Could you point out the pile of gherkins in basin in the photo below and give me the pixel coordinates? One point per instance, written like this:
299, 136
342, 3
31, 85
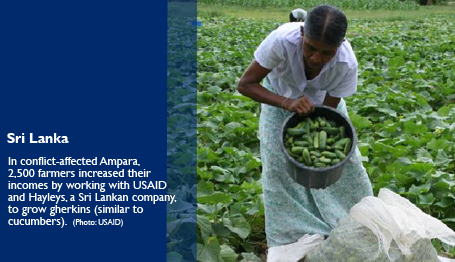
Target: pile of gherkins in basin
317, 142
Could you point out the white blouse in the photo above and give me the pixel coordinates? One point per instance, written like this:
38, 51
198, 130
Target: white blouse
282, 52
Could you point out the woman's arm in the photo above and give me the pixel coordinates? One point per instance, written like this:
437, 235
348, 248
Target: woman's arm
249, 85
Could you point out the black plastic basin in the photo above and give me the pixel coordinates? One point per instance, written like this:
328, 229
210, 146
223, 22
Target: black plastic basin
312, 177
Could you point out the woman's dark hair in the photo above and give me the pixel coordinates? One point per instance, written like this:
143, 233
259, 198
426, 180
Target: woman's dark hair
327, 24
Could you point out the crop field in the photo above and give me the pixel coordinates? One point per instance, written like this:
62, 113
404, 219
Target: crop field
352, 5
403, 112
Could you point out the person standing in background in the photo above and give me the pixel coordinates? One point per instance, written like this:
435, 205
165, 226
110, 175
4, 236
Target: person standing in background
297, 15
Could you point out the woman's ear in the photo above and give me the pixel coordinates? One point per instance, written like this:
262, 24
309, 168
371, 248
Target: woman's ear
301, 31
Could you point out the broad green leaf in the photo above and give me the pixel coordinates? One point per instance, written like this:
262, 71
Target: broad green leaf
420, 170
255, 208
209, 209
444, 111
388, 111
219, 170
231, 127
426, 199
418, 190
363, 147
228, 150
206, 155
404, 160
214, 89
209, 252
448, 183
396, 61
217, 197
203, 173
445, 202
414, 129
205, 226
424, 155
208, 124
436, 144
221, 231
250, 257
228, 254
238, 225
359, 121
204, 188
404, 179
442, 158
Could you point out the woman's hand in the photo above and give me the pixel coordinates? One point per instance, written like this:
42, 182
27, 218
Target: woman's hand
302, 105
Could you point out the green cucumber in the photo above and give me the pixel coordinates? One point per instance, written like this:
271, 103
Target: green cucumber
316, 140
306, 127
331, 130
340, 154
341, 142
308, 139
330, 141
325, 160
329, 154
339, 147
297, 149
290, 140
319, 164
322, 140
321, 121
306, 157
301, 143
315, 153
295, 131
294, 155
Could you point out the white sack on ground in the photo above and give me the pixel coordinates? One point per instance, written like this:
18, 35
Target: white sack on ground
392, 217
296, 251
384, 228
